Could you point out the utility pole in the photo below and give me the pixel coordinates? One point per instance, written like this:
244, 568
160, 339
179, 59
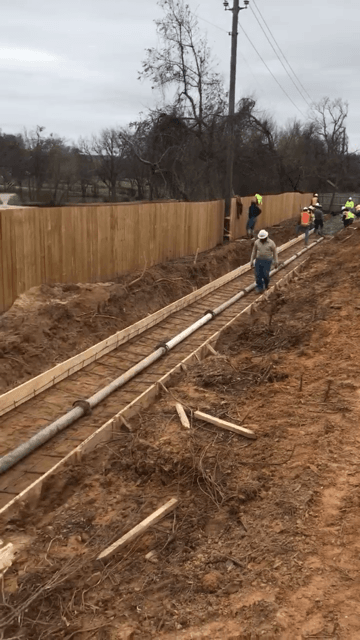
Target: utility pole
230, 124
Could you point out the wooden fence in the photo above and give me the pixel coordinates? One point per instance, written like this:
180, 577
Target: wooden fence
273, 210
96, 243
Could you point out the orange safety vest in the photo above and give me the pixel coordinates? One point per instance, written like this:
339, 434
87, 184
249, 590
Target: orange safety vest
305, 218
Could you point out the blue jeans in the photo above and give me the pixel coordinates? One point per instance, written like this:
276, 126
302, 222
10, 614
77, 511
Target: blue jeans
250, 223
262, 273
305, 230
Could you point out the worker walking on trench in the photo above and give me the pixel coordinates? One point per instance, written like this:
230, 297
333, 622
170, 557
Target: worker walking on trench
319, 219
304, 223
254, 212
263, 253
348, 217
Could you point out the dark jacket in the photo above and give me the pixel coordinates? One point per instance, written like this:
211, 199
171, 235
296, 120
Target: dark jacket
318, 213
254, 210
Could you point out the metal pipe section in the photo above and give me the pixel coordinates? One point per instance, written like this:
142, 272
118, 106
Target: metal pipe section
23, 450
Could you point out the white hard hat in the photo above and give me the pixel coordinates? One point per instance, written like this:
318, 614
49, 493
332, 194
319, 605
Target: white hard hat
316, 195
262, 234
318, 204
342, 208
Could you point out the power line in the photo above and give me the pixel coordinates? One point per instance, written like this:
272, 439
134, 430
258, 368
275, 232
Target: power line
271, 73
241, 53
278, 57
281, 51
212, 24
261, 58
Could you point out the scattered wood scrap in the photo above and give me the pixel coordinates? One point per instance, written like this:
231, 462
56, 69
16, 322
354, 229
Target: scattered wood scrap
182, 415
139, 529
241, 431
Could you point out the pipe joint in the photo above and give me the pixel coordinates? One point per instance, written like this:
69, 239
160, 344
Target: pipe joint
85, 405
211, 312
163, 345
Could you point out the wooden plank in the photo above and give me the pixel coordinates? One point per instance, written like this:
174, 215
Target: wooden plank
182, 415
223, 424
134, 533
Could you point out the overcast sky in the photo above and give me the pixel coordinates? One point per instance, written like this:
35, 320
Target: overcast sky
72, 66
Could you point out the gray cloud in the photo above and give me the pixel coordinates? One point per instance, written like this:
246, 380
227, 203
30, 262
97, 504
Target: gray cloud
83, 74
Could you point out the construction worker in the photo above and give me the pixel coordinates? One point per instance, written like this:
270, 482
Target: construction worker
348, 217
318, 219
350, 204
258, 198
263, 253
304, 223
254, 212
239, 206
315, 199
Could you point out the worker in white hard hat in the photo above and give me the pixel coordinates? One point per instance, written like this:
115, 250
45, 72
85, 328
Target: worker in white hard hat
318, 219
263, 254
305, 222
315, 199
348, 217
350, 204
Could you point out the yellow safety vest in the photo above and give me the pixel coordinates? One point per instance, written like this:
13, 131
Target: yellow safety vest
258, 197
350, 215
350, 204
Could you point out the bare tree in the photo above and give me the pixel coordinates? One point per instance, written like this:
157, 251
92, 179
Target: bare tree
329, 118
107, 154
183, 63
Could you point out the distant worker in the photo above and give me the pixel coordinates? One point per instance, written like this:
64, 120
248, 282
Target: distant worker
304, 223
258, 198
263, 253
348, 217
254, 212
318, 219
350, 204
239, 206
315, 199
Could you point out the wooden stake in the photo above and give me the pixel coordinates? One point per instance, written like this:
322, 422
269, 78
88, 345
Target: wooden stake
329, 383
196, 255
212, 350
241, 431
301, 382
139, 529
182, 415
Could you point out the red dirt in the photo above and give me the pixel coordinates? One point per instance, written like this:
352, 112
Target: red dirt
264, 543
48, 324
